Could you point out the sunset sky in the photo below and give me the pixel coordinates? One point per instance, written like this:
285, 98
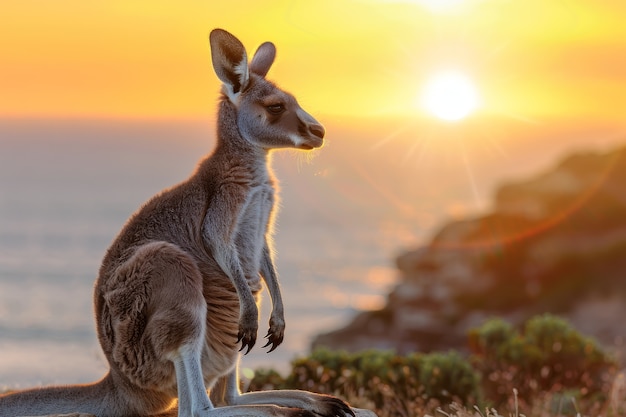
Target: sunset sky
150, 58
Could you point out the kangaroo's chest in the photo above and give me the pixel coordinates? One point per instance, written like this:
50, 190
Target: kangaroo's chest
252, 227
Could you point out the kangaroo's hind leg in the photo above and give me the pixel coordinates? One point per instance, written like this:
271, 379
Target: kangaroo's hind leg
310, 403
152, 327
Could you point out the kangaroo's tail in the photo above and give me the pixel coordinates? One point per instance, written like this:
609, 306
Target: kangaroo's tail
97, 399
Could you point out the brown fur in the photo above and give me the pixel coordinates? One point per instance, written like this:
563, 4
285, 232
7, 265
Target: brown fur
178, 286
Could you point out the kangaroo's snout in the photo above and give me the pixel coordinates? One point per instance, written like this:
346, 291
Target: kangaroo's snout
317, 130
313, 135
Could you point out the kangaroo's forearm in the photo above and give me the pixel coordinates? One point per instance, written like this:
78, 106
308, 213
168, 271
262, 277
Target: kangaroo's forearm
269, 275
219, 232
276, 331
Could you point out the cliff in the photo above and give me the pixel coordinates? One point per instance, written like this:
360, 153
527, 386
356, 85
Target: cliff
554, 243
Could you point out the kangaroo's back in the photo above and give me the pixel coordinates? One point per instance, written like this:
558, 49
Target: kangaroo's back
174, 215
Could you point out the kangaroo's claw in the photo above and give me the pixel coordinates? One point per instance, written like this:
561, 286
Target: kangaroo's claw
248, 327
276, 331
247, 335
246, 339
273, 339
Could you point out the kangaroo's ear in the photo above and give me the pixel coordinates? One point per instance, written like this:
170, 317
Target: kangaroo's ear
263, 59
230, 61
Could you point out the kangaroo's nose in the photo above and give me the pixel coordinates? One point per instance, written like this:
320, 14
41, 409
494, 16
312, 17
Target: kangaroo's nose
317, 130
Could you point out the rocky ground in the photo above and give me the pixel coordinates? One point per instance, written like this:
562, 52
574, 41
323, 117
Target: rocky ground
554, 243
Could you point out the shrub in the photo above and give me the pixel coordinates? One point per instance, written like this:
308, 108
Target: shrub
386, 380
546, 361
549, 356
448, 376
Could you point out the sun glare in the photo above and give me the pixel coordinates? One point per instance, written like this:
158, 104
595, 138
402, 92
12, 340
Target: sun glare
449, 96
439, 5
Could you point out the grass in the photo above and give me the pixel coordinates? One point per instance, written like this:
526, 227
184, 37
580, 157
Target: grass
389, 400
549, 404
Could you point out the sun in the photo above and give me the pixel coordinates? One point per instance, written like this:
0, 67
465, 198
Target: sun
450, 96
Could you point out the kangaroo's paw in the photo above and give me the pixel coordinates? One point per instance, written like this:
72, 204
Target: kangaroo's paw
276, 333
248, 328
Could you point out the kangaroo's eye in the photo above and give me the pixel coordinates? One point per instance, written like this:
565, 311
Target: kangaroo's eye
275, 109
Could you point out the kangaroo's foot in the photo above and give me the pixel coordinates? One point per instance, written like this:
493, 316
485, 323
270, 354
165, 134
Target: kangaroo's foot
318, 404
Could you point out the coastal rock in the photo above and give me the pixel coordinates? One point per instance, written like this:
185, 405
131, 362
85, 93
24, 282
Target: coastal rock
554, 243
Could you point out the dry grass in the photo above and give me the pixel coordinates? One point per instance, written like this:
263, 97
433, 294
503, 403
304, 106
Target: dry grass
545, 405
548, 405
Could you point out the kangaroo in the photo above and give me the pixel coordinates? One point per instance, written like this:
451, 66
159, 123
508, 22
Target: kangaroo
177, 290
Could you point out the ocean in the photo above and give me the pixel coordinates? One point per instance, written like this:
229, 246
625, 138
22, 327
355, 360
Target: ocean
67, 187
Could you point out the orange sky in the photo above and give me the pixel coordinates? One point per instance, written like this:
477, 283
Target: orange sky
150, 58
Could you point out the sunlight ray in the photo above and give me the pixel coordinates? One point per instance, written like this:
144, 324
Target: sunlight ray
402, 206
522, 118
392, 135
410, 152
472, 179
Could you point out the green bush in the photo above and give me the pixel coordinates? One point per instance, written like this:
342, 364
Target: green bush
380, 378
446, 376
548, 356
546, 361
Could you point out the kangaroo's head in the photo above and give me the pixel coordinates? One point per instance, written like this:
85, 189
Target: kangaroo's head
266, 115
